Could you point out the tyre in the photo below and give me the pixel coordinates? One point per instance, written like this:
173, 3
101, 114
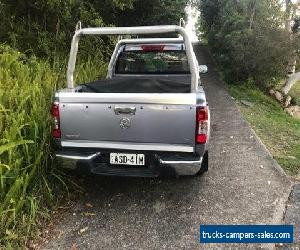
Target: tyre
204, 165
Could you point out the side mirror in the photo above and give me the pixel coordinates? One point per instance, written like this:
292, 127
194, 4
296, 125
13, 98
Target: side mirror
203, 69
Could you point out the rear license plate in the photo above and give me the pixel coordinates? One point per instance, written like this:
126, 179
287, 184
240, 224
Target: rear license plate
127, 159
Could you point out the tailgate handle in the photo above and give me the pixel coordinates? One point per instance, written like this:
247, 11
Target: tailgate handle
128, 111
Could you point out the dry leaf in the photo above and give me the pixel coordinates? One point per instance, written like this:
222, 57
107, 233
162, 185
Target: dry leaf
81, 231
74, 246
88, 205
89, 214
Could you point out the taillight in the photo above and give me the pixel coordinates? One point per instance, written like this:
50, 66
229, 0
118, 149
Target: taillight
202, 125
56, 133
149, 48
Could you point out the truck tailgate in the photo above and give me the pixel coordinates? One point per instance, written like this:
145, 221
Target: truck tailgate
128, 121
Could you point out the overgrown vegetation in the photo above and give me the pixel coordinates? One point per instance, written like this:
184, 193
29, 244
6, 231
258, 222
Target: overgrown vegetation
255, 44
248, 38
42, 32
26, 174
279, 131
26, 89
46, 27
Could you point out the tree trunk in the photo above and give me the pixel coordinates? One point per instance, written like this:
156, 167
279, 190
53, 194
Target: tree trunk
252, 14
290, 83
290, 9
288, 16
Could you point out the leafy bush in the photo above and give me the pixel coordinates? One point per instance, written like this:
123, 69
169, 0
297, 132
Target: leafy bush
247, 38
45, 28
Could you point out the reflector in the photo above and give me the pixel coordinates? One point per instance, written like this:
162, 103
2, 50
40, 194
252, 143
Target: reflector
201, 139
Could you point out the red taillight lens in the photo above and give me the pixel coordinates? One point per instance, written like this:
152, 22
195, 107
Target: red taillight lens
55, 110
56, 133
202, 114
201, 139
153, 47
202, 125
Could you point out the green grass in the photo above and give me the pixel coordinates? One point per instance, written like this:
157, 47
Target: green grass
26, 88
279, 131
295, 92
29, 183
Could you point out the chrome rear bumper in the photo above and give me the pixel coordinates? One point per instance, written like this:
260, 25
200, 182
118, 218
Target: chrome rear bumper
87, 162
183, 167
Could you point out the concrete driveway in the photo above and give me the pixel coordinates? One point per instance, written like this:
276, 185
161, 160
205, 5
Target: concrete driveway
243, 186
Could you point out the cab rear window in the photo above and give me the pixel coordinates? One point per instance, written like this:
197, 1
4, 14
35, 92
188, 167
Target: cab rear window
152, 62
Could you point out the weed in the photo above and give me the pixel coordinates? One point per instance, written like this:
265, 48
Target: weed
27, 175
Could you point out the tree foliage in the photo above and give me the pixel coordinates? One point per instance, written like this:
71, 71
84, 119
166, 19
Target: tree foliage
247, 37
155, 12
45, 27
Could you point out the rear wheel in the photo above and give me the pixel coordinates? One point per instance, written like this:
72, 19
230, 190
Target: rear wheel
204, 165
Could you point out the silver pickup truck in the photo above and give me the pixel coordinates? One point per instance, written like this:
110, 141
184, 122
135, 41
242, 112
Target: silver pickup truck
149, 117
